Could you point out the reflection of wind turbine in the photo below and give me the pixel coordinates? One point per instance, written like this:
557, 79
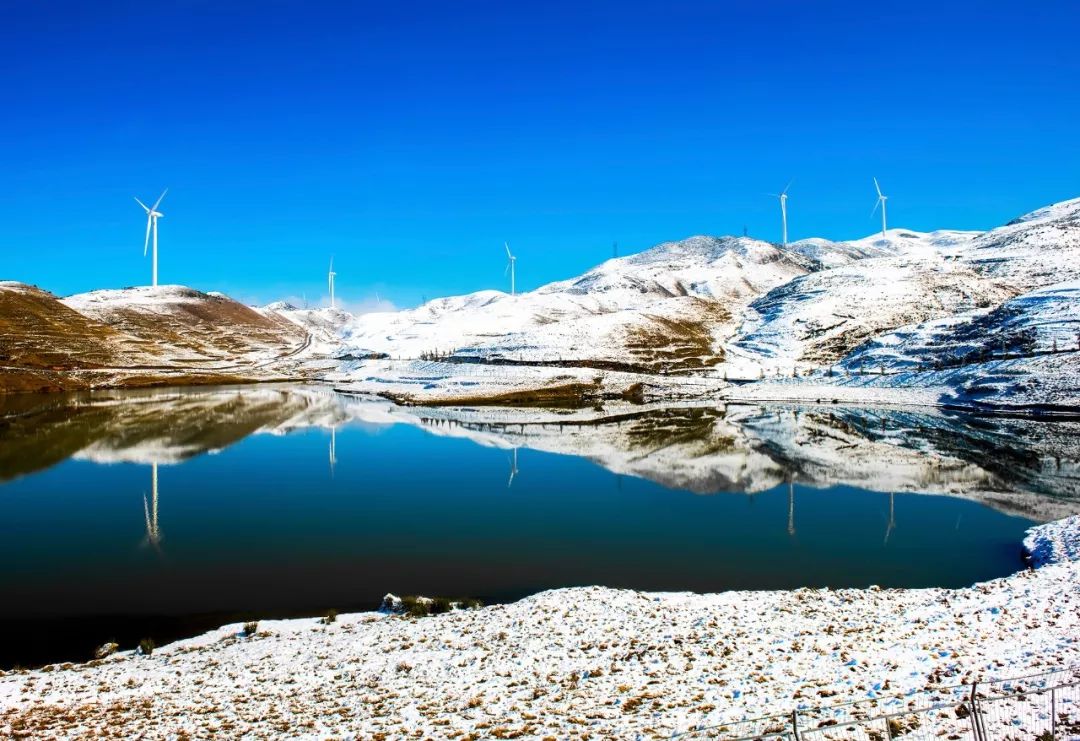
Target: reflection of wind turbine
150, 510
152, 215
782, 195
892, 516
333, 450
881, 198
330, 281
511, 259
791, 506
513, 468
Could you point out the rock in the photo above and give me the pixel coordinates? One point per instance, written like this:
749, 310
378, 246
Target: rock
106, 649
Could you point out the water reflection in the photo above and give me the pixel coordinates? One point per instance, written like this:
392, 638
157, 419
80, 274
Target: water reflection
150, 510
286, 500
1014, 465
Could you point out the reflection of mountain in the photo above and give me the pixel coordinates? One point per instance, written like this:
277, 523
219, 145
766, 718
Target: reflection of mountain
147, 426
1014, 465
1017, 466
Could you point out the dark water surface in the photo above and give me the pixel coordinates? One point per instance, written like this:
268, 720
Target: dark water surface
342, 504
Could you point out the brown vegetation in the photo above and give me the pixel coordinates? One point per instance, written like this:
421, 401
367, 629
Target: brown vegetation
675, 345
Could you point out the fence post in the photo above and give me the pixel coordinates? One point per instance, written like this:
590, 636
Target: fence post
795, 724
974, 713
1053, 712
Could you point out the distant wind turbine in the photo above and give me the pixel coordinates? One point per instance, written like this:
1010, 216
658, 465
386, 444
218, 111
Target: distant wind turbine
881, 198
152, 215
783, 209
511, 259
330, 281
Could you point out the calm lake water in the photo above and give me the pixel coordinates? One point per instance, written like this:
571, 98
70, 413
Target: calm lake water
162, 514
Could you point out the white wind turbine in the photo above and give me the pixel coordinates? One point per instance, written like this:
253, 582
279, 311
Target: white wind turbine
152, 215
330, 281
783, 208
881, 198
511, 259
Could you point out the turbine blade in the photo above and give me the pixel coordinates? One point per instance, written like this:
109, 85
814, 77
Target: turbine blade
876, 204
146, 242
785, 190
158, 201
506, 270
877, 187
143, 205
507, 246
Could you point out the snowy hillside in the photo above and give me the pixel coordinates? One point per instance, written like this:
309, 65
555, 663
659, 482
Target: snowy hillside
818, 318
1038, 249
657, 308
895, 242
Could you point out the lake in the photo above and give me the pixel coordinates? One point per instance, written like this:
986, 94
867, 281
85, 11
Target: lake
164, 513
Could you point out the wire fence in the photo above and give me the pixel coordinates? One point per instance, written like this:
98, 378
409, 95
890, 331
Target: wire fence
1037, 707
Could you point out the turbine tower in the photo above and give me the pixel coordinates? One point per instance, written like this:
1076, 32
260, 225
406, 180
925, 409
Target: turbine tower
330, 281
150, 511
510, 266
152, 215
782, 195
881, 198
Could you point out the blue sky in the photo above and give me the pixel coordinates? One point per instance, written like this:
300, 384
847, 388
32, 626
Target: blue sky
410, 139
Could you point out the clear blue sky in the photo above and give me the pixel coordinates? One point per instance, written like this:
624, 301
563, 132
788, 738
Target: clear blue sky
411, 139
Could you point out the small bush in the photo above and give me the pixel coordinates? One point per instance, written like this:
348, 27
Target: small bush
251, 628
331, 617
146, 646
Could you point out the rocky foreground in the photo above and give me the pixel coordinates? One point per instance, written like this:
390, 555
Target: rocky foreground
571, 663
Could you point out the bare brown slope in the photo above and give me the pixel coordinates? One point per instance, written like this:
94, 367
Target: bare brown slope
136, 338
37, 331
182, 326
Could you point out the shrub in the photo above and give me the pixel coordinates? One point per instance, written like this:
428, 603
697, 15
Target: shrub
331, 617
146, 646
251, 628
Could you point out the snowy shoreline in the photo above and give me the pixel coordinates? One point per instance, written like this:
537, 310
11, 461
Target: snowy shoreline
571, 662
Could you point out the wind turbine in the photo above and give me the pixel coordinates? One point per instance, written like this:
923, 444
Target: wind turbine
783, 208
152, 215
330, 281
881, 198
150, 511
510, 266
513, 469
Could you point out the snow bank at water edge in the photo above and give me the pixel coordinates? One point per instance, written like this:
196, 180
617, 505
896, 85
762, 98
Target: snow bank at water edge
1054, 542
570, 663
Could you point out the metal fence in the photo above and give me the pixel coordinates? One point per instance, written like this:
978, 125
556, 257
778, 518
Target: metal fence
1037, 707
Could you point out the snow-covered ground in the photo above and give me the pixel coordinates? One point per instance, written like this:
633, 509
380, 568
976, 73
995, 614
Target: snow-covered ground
575, 663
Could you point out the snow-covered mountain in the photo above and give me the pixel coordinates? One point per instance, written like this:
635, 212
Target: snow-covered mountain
706, 309
1038, 249
659, 309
